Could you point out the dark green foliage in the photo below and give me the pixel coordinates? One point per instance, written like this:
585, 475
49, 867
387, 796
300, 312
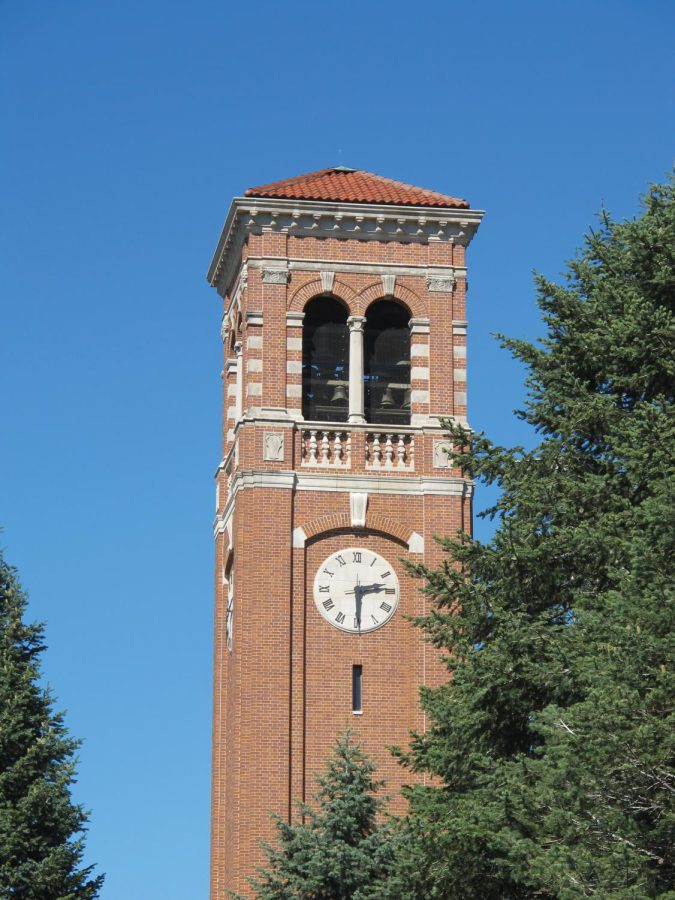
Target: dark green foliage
40, 850
554, 740
340, 849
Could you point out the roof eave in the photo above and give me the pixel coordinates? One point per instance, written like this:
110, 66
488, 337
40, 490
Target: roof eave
464, 217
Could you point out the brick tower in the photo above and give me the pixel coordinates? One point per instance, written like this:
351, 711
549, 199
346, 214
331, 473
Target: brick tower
344, 331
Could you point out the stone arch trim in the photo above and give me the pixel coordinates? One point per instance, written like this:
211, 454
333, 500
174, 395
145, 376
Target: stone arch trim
313, 289
342, 522
412, 302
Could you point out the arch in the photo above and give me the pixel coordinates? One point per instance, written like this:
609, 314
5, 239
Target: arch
408, 298
341, 291
229, 609
386, 363
232, 338
336, 522
325, 360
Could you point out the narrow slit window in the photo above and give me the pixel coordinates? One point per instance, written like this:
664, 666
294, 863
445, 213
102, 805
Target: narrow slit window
357, 678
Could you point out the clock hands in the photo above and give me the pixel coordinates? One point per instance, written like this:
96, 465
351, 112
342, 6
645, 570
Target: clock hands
359, 591
367, 589
358, 599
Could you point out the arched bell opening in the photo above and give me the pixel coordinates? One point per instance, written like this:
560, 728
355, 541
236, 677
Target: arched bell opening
229, 614
387, 364
325, 361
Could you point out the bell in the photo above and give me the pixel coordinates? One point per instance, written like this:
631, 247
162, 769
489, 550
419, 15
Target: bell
406, 398
388, 397
339, 395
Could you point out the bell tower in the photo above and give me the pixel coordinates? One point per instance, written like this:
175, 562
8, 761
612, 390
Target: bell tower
344, 330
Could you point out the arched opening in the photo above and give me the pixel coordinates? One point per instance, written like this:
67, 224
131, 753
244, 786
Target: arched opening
325, 361
229, 613
387, 364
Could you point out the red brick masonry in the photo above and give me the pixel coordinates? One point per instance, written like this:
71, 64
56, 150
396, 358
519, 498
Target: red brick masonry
283, 692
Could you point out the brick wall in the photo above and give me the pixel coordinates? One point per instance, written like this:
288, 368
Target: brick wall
283, 693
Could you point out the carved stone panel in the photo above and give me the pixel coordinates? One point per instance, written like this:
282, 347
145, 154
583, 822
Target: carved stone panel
441, 283
274, 276
441, 458
273, 446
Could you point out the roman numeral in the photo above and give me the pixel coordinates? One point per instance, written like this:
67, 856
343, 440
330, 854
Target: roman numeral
390, 590
385, 574
357, 556
324, 588
328, 572
341, 560
340, 618
375, 621
373, 562
328, 604
386, 607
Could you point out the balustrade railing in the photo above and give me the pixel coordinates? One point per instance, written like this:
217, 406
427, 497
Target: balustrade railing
332, 448
327, 448
390, 450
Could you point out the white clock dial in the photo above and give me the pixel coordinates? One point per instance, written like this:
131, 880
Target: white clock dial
356, 590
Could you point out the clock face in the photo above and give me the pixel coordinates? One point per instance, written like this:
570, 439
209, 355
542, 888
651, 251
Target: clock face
356, 590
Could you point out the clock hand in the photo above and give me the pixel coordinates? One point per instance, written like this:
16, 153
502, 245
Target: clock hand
358, 600
367, 589
357, 587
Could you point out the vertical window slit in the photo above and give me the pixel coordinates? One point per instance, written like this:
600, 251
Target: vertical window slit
357, 677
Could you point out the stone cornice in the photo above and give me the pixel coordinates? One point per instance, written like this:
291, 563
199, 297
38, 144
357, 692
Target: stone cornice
327, 482
358, 221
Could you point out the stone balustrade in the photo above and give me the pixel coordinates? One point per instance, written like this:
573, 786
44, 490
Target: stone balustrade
390, 450
326, 448
332, 448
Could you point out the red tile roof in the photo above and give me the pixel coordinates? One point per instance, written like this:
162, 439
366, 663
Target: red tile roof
343, 185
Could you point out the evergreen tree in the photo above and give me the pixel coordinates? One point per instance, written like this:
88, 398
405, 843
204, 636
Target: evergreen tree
340, 849
553, 742
40, 851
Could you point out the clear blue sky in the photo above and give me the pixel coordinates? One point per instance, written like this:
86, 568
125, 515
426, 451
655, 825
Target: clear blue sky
126, 129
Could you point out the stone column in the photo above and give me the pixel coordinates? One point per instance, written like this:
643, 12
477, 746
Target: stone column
239, 350
356, 413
